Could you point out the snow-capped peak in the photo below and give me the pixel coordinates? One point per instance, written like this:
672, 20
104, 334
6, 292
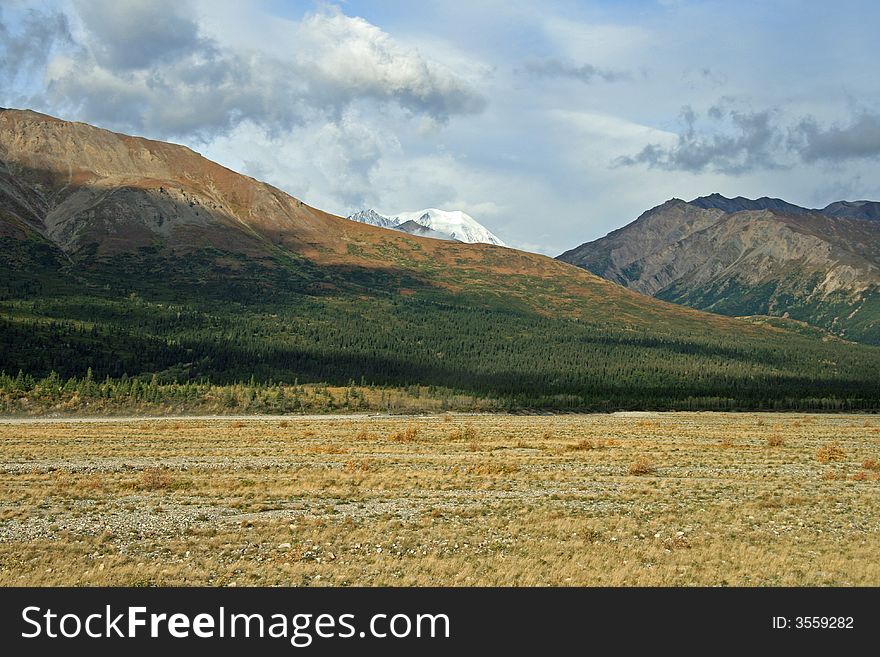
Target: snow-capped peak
373, 218
455, 224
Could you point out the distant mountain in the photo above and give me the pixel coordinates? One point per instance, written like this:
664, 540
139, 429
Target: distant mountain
869, 210
442, 224
752, 257
740, 204
126, 256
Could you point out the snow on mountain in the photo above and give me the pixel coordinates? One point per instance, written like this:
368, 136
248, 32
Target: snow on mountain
373, 218
413, 228
446, 224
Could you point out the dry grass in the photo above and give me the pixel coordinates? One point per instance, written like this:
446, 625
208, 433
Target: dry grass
156, 479
466, 433
830, 453
457, 500
408, 435
642, 466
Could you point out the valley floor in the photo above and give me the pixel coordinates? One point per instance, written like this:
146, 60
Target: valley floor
624, 499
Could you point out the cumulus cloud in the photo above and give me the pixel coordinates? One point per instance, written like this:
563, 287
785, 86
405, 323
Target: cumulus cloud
146, 66
860, 138
314, 111
726, 139
331, 164
552, 67
343, 56
743, 141
138, 34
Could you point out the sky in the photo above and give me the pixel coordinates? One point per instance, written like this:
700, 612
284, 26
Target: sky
551, 122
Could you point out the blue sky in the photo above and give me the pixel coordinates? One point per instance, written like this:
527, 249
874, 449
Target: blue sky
550, 122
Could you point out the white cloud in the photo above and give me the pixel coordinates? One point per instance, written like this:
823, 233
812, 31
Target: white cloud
426, 104
149, 67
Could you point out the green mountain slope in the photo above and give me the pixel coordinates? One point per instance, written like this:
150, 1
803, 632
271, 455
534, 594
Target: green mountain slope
140, 258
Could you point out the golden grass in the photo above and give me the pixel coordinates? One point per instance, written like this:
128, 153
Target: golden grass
156, 479
830, 452
456, 500
642, 466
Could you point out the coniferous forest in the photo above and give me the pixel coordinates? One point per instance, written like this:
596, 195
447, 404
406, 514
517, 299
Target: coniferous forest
140, 333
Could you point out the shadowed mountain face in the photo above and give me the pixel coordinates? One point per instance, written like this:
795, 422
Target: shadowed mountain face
869, 210
752, 257
131, 256
740, 204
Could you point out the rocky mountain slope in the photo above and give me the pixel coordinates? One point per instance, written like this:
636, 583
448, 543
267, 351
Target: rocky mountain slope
123, 256
752, 257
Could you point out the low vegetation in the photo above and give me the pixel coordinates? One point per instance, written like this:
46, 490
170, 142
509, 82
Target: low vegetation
146, 331
621, 499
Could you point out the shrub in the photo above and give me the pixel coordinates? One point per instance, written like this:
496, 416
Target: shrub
465, 433
830, 452
156, 479
871, 464
364, 465
775, 441
642, 466
408, 435
327, 449
584, 445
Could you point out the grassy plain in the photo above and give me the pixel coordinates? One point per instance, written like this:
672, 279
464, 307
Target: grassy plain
622, 499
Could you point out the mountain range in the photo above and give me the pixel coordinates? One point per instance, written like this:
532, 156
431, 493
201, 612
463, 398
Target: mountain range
868, 210
752, 257
127, 257
452, 225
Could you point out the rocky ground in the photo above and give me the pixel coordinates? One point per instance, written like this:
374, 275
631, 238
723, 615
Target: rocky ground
648, 498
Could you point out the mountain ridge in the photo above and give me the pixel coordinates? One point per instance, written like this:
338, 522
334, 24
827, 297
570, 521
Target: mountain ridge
751, 257
132, 258
868, 210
